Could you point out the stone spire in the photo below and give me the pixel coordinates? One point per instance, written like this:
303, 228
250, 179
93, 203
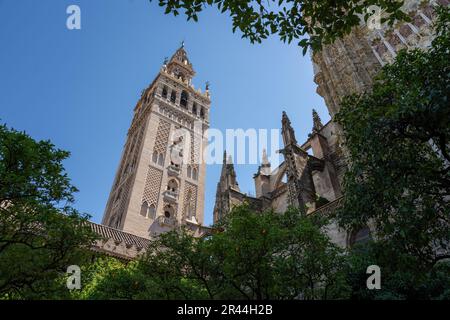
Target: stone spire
317, 123
287, 131
228, 175
226, 186
265, 164
301, 190
265, 160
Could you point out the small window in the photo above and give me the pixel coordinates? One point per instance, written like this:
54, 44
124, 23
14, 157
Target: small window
189, 174
202, 113
161, 159
152, 212
191, 212
184, 99
155, 157
194, 108
194, 174
164, 92
169, 211
173, 96
172, 185
144, 209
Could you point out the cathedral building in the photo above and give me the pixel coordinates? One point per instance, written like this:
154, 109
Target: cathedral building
310, 175
160, 181
312, 172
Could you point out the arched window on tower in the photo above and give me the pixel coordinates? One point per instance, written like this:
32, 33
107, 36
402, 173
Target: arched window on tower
172, 185
152, 212
169, 212
187, 205
144, 209
194, 174
164, 92
191, 213
173, 96
202, 113
194, 108
184, 99
189, 171
155, 157
161, 159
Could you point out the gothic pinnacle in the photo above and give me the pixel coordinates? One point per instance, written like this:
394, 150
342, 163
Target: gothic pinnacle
317, 123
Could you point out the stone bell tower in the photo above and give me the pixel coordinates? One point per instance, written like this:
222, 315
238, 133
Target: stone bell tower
160, 182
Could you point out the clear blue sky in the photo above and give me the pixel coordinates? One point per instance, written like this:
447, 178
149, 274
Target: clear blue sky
78, 87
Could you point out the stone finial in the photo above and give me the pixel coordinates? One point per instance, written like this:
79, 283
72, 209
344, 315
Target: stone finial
287, 131
264, 157
285, 119
265, 164
317, 123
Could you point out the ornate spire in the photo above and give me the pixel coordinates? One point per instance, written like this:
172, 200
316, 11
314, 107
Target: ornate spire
228, 175
265, 164
179, 64
224, 157
317, 123
265, 160
287, 131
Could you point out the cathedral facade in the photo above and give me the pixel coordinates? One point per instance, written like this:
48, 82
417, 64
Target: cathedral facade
160, 181
311, 174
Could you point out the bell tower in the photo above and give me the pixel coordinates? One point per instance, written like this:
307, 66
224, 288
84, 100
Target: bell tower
160, 182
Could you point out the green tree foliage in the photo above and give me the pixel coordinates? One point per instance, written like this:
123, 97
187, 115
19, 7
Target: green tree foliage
250, 256
40, 233
107, 278
402, 275
276, 256
311, 23
398, 182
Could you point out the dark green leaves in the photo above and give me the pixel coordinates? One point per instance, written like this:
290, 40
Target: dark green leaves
325, 20
40, 233
251, 256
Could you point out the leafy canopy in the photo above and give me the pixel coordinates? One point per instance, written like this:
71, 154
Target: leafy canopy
41, 234
311, 23
251, 256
